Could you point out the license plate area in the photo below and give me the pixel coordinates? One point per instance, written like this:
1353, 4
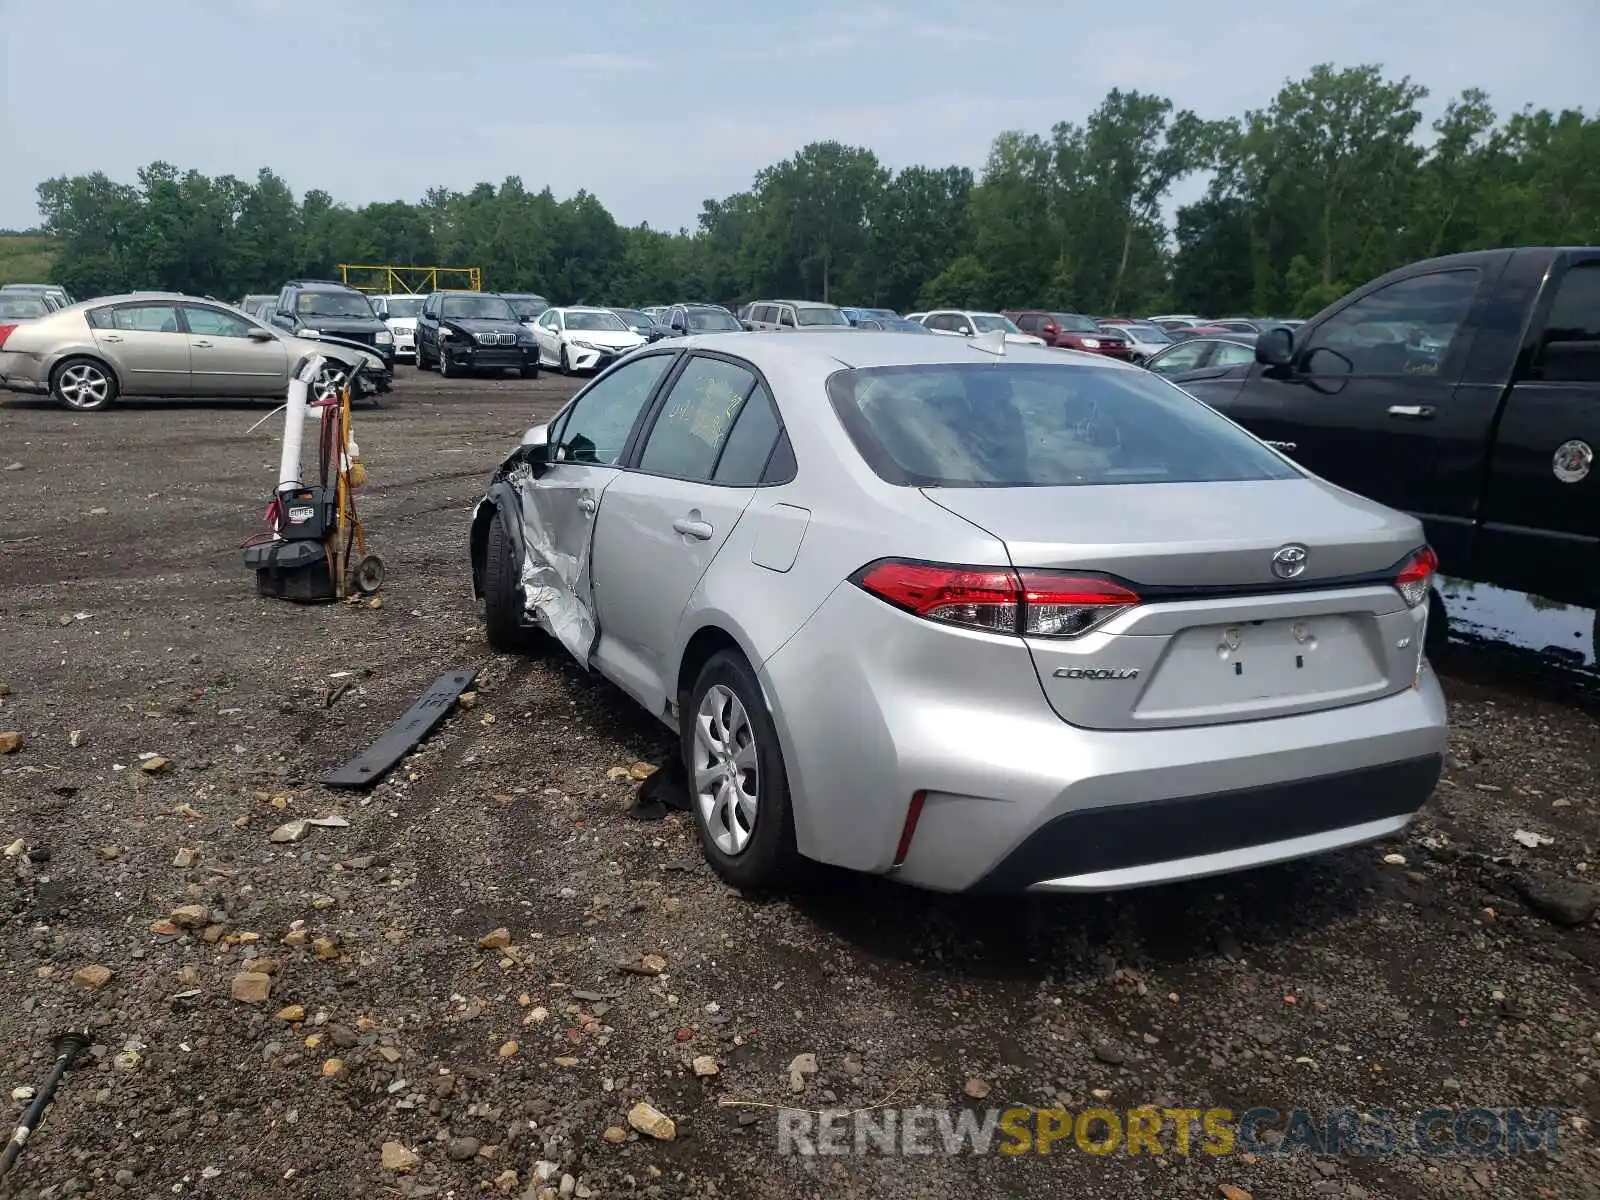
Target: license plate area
1254, 668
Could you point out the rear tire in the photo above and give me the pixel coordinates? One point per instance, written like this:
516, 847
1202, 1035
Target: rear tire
502, 610
83, 384
725, 724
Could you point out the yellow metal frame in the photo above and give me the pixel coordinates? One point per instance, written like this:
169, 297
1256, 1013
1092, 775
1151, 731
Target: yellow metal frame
416, 281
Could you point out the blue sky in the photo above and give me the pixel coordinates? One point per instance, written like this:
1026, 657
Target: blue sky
654, 105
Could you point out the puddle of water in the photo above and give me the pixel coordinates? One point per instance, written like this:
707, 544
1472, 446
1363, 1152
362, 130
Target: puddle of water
1564, 634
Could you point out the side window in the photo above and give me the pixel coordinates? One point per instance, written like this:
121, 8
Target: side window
1405, 328
937, 321
781, 466
547, 319
597, 428
700, 410
1030, 322
749, 445
286, 300
1232, 354
144, 318
212, 322
1185, 357
786, 317
1569, 350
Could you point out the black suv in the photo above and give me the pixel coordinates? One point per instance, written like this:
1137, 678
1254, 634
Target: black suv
459, 332
318, 307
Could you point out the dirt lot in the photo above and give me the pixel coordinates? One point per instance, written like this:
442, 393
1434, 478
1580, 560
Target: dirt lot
128, 628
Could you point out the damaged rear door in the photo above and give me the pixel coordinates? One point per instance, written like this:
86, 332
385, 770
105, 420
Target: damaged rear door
560, 502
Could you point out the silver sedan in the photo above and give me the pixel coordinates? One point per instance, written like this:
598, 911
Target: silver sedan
976, 615
161, 344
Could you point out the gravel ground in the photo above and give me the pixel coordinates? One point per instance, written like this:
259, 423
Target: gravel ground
396, 1055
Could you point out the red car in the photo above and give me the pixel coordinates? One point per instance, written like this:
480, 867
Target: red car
1072, 331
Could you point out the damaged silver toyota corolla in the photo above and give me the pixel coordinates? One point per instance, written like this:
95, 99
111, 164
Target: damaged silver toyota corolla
976, 615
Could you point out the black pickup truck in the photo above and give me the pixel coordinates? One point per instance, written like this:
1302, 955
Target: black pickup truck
1464, 390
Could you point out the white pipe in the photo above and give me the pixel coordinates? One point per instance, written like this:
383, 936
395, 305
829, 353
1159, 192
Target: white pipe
294, 422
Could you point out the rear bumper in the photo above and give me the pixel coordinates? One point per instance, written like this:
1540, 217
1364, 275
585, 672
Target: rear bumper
1185, 837
22, 373
871, 712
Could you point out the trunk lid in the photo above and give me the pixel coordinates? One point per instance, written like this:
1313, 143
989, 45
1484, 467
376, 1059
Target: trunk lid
1218, 635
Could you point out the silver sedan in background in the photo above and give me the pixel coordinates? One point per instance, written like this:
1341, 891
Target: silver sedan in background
164, 344
976, 615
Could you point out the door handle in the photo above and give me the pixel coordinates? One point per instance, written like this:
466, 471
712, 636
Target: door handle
201, 345
1412, 412
587, 504
698, 530
111, 337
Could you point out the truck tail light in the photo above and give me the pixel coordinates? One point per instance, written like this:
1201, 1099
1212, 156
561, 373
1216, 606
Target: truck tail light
1416, 576
1029, 603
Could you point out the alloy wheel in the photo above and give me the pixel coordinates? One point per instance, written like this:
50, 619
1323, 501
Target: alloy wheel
328, 383
84, 385
726, 770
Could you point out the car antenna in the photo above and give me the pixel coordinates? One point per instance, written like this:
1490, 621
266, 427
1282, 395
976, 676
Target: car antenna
990, 343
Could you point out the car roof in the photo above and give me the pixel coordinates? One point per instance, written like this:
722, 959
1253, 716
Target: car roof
868, 348
322, 285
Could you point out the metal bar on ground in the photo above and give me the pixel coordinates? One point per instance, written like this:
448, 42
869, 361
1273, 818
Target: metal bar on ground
367, 768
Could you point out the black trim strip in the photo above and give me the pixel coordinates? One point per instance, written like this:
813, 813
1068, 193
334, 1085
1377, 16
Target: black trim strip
1133, 835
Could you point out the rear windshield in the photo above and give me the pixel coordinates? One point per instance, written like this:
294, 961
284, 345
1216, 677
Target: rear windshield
403, 306
21, 307
1039, 425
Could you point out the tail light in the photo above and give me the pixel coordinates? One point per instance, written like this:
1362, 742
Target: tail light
1029, 603
5, 332
1416, 576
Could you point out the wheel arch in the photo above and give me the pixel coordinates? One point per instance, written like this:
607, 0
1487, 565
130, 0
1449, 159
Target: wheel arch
493, 507
95, 355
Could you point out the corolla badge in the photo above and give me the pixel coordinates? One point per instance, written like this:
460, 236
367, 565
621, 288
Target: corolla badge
1572, 461
1289, 561
1097, 672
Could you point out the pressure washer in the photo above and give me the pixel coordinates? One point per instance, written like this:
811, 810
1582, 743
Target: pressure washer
314, 548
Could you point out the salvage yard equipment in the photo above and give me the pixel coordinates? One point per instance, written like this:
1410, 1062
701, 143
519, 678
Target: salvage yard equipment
315, 547
415, 281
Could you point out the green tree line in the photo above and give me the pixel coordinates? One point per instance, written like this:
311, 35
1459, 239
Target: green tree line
1334, 182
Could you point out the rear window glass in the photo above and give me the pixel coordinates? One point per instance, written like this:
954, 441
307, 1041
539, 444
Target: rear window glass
1039, 425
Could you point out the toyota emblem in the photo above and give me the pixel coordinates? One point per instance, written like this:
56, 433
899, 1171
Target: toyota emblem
1572, 461
1289, 561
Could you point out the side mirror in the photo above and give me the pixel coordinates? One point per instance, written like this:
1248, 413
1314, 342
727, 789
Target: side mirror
536, 450
1275, 348
748, 326
679, 327
260, 335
